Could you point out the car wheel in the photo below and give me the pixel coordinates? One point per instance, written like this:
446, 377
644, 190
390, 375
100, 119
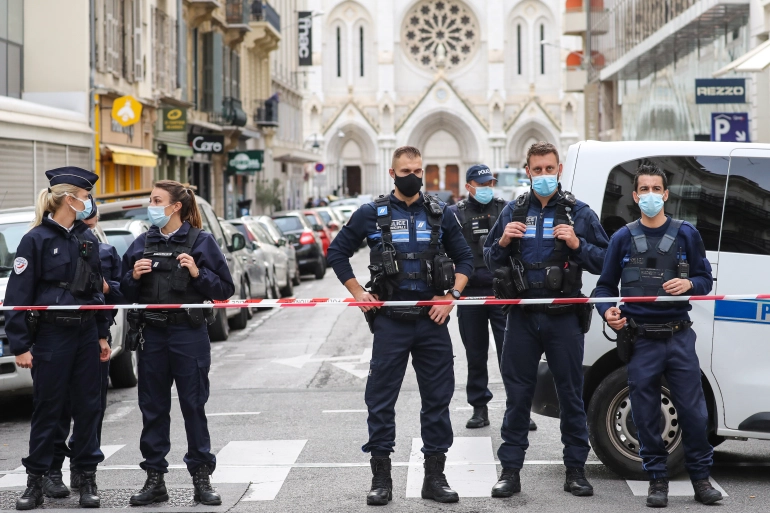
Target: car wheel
124, 369
220, 330
239, 321
297, 276
288, 290
247, 294
614, 435
320, 269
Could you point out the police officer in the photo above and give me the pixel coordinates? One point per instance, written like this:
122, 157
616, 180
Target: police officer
476, 216
53, 485
57, 263
417, 253
546, 237
174, 263
660, 256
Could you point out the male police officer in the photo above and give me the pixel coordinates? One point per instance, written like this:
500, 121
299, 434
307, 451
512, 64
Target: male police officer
660, 256
545, 238
477, 215
411, 240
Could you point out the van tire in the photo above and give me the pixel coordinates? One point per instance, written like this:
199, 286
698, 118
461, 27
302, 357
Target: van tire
609, 400
123, 369
220, 330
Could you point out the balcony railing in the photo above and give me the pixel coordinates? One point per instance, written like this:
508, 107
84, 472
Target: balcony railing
266, 113
263, 11
233, 112
238, 12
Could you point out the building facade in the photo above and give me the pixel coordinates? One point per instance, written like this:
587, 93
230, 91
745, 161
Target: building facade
467, 82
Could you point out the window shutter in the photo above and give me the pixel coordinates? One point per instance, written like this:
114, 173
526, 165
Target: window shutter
171, 30
116, 35
227, 70
217, 52
181, 52
126, 36
207, 99
236, 74
109, 34
100, 36
137, 20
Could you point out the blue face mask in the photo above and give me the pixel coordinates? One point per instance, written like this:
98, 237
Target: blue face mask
483, 194
158, 216
545, 185
651, 204
88, 207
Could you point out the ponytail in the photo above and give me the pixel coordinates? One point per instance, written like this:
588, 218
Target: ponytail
50, 200
184, 195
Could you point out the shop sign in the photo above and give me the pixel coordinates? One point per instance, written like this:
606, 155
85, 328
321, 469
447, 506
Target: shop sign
207, 143
174, 119
305, 35
249, 161
126, 111
720, 90
730, 127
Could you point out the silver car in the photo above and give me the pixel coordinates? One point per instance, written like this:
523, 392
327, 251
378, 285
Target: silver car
268, 250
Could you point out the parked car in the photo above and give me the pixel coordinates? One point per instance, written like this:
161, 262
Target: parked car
332, 219
137, 209
723, 189
276, 260
14, 223
121, 234
511, 182
319, 226
345, 211
256, 280
282, 241
307, 243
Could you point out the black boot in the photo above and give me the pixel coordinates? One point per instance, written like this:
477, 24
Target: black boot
508, 484
74, 479
532, 425
479, 419
577, 484
53, 486
705, 493
33, 495
382, 484
435, 486
154, 490
204, 493
657, 493
89, 495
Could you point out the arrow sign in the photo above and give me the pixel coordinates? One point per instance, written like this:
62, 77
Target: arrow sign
730, 127
347, 363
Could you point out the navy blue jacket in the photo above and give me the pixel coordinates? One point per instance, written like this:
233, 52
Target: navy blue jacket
620, 248
480, 283
363, 225
215, 281
111, 271
46, 255
538, 241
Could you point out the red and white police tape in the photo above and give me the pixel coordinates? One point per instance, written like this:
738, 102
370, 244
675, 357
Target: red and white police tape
327, 301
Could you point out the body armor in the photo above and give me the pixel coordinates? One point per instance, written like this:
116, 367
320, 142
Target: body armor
476, 225
169, 282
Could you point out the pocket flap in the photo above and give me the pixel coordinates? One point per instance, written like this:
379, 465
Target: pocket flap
631, 274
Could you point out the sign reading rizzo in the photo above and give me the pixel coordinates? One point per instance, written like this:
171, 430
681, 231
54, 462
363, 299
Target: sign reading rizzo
207, 143
242, 162
305, 42
720, 90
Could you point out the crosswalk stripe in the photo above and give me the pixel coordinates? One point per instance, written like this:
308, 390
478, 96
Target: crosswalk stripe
238, 462
676, 487
20, 478
471, 468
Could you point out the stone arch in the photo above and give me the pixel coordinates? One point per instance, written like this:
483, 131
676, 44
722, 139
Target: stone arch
524, 136
352, 132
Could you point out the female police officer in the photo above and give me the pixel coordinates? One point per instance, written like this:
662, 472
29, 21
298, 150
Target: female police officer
57, 263
174, 263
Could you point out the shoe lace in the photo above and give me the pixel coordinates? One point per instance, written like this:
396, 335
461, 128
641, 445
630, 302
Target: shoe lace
88, 486
439, 479
702, 486
202, 480
658, 485
379, 481
149, 484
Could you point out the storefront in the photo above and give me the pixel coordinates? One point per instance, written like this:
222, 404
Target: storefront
208, 149
174, 153
242, 167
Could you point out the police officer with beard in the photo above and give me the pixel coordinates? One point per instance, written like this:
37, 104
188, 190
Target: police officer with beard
476, 216
542, 242
417, 253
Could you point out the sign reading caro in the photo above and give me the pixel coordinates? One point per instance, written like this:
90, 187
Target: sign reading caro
245, 162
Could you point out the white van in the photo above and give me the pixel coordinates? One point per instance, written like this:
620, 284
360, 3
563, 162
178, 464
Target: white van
723, 189
510, 182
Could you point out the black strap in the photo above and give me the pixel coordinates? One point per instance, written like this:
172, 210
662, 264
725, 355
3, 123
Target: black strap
670, 237
434, 221
382, 206
640, 240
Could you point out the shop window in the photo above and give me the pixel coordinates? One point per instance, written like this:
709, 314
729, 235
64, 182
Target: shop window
696, 193
746, 226
11, 47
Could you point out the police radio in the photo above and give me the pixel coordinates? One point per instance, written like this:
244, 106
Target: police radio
85, 248
389, 262
682, 267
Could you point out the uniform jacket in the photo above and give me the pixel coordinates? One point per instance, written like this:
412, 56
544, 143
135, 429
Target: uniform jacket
111, 270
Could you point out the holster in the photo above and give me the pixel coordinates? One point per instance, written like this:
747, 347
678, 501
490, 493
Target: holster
134, 337
370, 316
443, 273
626, 340
83, 284
32, 318
585, 314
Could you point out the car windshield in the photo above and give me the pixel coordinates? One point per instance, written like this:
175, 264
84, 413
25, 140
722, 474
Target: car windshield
325, 216
129, 213
120, 240
311, 219
289, 223
509, 178
271, 229
10, 236
245, 232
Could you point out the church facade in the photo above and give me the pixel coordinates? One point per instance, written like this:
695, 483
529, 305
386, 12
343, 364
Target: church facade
466, 82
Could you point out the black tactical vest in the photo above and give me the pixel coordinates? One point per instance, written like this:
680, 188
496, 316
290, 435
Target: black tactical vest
169, 282
651, 262
476, 225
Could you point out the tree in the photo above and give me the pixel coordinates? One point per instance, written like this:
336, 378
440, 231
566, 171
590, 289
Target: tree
269, 194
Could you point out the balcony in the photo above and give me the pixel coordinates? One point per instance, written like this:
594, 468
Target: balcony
576, 18
232, 113
237, 16
201, 11
263, 11
576, 80
265, 26
266, 113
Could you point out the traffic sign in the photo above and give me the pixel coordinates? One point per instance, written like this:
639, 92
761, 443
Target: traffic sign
730, 127
319, 168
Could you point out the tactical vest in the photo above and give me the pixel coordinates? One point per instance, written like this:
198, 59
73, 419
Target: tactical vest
85, 282
410, 243
476, 226
651, 262
169, 282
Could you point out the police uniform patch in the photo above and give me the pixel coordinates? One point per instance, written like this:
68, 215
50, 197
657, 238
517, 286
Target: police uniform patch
382, 211
399, 225
20, 265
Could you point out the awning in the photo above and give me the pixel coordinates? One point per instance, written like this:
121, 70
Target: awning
754, 61
294, 156
179, 150
132, 156
205, 124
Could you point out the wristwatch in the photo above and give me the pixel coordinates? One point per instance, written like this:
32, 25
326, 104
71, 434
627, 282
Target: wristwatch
455, 293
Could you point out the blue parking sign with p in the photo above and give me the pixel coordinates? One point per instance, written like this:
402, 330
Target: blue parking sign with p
382, 211
730, 127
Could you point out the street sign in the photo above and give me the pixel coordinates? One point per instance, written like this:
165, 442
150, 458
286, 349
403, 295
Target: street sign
174, 119
720, 90
126, 111
319, 168
245, 162
730, 127
207, 143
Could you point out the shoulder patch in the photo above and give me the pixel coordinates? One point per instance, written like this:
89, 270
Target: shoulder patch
20, 265
382, 211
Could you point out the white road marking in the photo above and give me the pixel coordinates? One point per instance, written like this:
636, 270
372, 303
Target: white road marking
18, 476
233, 413
344, 411
676, 488
118, 414
240, 355
299, 361
243, 462
474, 476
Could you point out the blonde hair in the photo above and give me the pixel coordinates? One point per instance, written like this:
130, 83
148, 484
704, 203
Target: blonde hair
51, 199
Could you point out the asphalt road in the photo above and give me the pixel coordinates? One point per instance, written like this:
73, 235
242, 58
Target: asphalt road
287, 421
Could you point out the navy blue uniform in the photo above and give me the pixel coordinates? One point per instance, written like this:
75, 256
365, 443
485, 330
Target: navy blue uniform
178, 354
394, 340
530, 333
65, 362
674, 358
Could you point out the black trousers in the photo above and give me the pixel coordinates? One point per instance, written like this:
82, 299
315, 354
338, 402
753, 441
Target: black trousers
474, 324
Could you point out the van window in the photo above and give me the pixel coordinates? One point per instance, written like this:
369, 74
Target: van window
696, 193
746, 226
